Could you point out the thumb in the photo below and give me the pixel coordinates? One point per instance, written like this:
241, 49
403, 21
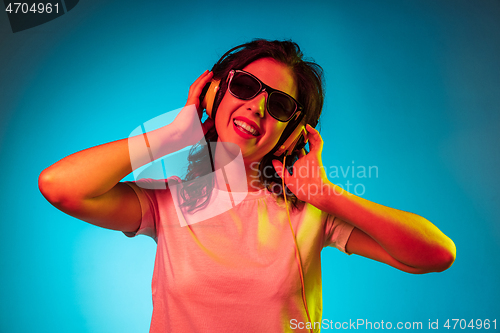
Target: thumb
207, 125
315, 140
278, 166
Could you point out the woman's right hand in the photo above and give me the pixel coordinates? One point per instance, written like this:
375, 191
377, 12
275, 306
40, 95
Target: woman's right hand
188, 120
197, 87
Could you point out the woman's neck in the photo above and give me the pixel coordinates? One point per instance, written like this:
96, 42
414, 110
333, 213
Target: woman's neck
233, 170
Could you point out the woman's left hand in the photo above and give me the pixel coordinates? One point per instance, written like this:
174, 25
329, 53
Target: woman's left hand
309, 177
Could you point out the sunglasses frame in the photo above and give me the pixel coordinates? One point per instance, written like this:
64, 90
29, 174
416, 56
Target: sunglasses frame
266, 88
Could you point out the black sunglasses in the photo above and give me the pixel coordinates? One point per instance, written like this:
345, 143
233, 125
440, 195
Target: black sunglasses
245, 86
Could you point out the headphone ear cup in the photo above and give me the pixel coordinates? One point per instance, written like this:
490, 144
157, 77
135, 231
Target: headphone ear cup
208, 101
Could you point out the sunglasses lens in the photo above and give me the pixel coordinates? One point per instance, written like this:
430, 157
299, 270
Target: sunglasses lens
244, 86
281, 106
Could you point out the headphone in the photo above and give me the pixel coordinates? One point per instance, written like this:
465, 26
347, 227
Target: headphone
211, 93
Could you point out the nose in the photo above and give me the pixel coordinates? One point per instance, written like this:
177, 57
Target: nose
258, 104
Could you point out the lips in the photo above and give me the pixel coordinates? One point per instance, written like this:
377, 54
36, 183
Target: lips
246, 126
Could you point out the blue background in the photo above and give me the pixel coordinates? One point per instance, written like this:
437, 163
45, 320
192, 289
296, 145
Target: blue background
413, 87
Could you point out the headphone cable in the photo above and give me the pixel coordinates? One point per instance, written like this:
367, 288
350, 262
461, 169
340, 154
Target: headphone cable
295, 242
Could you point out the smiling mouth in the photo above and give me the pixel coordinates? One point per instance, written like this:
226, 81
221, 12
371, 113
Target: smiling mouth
244, 127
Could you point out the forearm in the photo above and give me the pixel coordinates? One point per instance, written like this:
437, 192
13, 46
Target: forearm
94, 171
408, 238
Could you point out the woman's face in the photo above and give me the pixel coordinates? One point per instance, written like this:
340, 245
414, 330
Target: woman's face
234, 114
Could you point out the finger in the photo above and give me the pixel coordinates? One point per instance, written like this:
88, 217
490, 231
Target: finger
315, 140
202, 81
197, 87
203, 75
311, 129
302, 153
207, 125
278, 166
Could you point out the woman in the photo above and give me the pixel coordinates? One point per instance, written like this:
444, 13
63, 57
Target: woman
250, 267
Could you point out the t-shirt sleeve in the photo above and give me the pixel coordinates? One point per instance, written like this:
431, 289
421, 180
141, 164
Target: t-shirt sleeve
149, 208
337, 233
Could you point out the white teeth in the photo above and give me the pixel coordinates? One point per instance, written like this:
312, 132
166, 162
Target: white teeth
246, 126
